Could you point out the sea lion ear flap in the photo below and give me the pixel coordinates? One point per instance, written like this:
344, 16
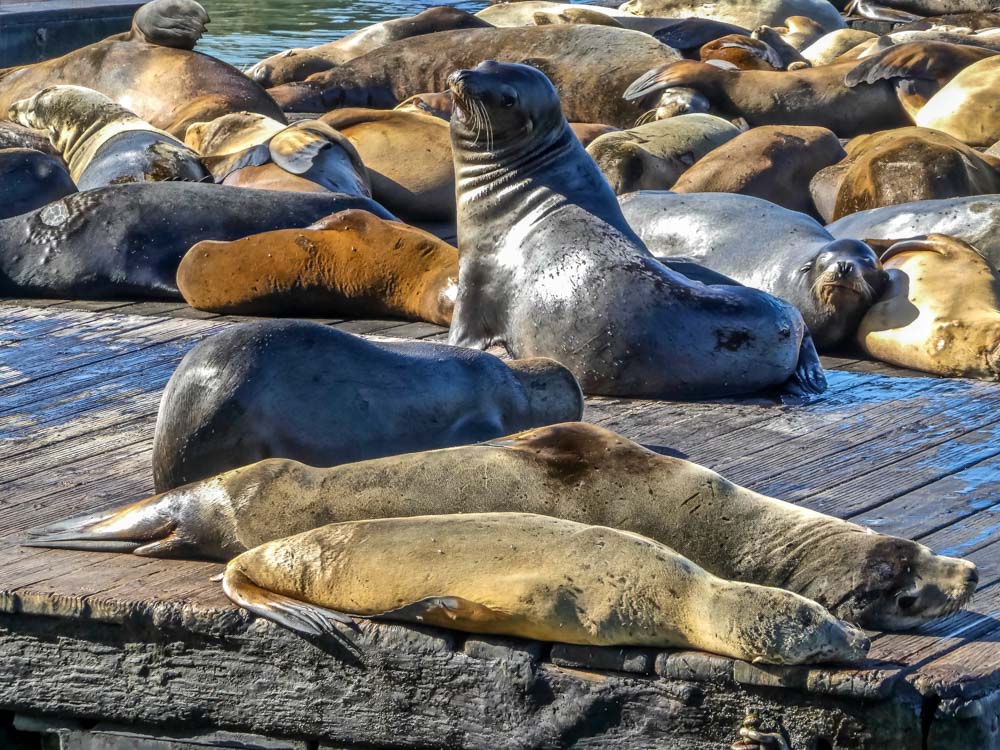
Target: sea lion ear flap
171, 23
295, 148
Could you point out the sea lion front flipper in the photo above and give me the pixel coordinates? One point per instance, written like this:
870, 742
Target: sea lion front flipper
808, 378
443, 611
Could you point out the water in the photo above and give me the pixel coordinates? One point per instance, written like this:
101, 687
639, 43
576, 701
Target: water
245, 31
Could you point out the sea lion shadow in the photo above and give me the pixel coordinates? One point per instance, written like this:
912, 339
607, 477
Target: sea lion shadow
664, 450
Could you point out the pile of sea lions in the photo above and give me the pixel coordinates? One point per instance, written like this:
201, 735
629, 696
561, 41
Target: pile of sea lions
629, 202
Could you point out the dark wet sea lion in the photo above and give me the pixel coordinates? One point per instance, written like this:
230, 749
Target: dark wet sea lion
575, 471
773, 162
151, 70
548, 266
302, 390
785, 253
569, 55
125, 241
298, 64
901, 166
810, 96
13, 135
30, 179
103, 142
351, 263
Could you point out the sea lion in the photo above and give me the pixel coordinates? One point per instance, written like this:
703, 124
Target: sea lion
918, 9
125, 241
548, 266
918, 70
296, 389
900, 166
810, 96
576, 471
308, 156
940, 312
741, 53
415, 183
30, 179
576, 15
975, 220
351, 263
298, 64
972, 21
832, 45
479, 573
150, 70
523, 12
103, 142
801, 31
773, 162
654, 155
967, 107
747, 14
569, 55
13, 135
784, 253
231, 133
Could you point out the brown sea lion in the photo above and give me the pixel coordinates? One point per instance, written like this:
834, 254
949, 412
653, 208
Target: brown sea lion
408, 157
741, 53
900, 166
940, 312
151, 70
569, 55
298, 64
351, 263
967, 107
773, 162
811, 96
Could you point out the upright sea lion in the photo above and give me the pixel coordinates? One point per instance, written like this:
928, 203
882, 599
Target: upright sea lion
415, 183
549, 267
773, 162
975, 220
967, 106
832, 45
654, 155
900, 166
30, 179
125, 241
749, 14
590, 66
785, 253
150, 70
810, 96
940, 312
298, 64
308, 156
351, 263
577, 471
231, 133
479, 573
103, 142
292, 388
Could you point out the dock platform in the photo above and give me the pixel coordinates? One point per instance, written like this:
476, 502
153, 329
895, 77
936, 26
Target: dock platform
121, 646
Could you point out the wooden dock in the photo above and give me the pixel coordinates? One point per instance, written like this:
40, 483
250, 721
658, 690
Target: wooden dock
154, 646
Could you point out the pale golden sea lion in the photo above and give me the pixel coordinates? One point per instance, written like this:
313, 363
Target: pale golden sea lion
103, 142
530, 576
747, 13
968, 107
351, 263
940, 312
832, 45
575, 471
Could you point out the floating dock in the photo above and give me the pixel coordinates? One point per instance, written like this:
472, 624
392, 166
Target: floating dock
116, 647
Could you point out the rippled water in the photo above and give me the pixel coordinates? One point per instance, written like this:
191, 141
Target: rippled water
245, 31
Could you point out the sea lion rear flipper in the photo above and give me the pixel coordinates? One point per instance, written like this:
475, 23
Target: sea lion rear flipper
808, 378
298, 616
930, 61
443, 611
171, 23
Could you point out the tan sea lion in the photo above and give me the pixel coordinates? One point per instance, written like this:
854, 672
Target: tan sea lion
773, 162
749, 14
524, 13
575, 15
151, 70
308, 156
654, 155
480, 573
832, 45
408, 157
231, 133
940, 312
801, 31
967, 107
901, 166
351, 263
103, 142
575, 471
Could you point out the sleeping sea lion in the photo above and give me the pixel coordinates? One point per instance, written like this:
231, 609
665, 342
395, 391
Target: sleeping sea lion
296, 389
351, 263
151, 70
30, 179
940, 312
104, 143
577, 471
741, 53
967, 106
832, 45
749, 14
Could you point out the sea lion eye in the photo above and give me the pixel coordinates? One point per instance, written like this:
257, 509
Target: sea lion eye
806, 268
507, 101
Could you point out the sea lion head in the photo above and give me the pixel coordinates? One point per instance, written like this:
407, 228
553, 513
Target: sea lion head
501, 104
836, 288
170, 23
